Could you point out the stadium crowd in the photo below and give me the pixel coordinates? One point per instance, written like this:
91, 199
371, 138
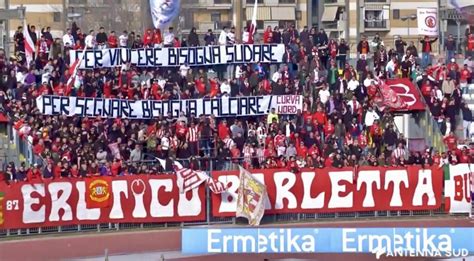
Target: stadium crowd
341, 124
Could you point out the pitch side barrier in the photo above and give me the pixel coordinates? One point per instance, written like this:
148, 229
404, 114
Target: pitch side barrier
147, 201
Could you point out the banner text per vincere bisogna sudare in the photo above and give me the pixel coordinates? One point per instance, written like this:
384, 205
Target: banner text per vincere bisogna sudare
177, 56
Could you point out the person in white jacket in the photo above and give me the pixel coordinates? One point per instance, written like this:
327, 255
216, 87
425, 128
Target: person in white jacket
68, 39
370, 116
90, 40
223, 36
225, 87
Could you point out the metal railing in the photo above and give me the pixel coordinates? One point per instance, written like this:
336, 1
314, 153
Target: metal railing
376, 24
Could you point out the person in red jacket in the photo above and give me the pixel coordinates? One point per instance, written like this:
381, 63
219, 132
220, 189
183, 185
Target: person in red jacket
34, 174
320, 116
57, 170
267, 35
301, 150
293, 165
223, 130
115, 167
112, 40
465, 156
470, 45
157, 38
451, 141
148, 40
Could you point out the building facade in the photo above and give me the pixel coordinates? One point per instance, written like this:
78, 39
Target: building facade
352, 19
214, 14
41, 13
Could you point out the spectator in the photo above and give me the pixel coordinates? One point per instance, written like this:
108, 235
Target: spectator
223, 36
68, 39
90, 40
450, 47
193, 38
426, 50
101, 38
169, 38
123, 39
467, 120
209, 38
400, 47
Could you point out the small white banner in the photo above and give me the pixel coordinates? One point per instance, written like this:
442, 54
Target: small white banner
428, 21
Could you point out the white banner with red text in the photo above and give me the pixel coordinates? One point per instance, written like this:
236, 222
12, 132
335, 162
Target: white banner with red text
458, 188
338, 190
147, 109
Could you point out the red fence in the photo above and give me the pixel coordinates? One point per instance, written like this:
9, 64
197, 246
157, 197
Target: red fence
147, 199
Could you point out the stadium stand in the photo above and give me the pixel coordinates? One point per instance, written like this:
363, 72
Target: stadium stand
341, 123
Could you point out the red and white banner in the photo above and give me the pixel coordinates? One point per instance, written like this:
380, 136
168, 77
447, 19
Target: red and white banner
409, 94
134, 199
457, 188
338, 190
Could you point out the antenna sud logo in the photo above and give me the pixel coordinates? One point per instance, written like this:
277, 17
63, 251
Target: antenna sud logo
418, 242
390, 242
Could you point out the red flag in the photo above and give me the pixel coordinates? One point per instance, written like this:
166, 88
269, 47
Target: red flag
252, 28
390, 98
98, 192
29, 44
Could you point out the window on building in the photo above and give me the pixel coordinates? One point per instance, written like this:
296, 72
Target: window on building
374, 19
253, 2
286, 23
260, 24
286, 1
396, 14
222, 1
56, 17
216, 17
189, 20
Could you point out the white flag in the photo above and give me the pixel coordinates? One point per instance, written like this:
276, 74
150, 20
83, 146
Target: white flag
250, 199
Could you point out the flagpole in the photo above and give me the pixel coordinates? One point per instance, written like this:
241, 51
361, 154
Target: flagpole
238, 6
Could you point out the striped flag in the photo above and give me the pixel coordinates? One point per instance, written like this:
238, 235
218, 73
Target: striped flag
73, 69
252, 28
188, 179
29, 44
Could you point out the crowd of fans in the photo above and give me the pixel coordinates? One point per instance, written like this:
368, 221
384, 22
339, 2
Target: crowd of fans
340, 125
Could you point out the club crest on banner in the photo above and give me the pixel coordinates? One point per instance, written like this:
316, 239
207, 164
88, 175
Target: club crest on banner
99, 190
1, 207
